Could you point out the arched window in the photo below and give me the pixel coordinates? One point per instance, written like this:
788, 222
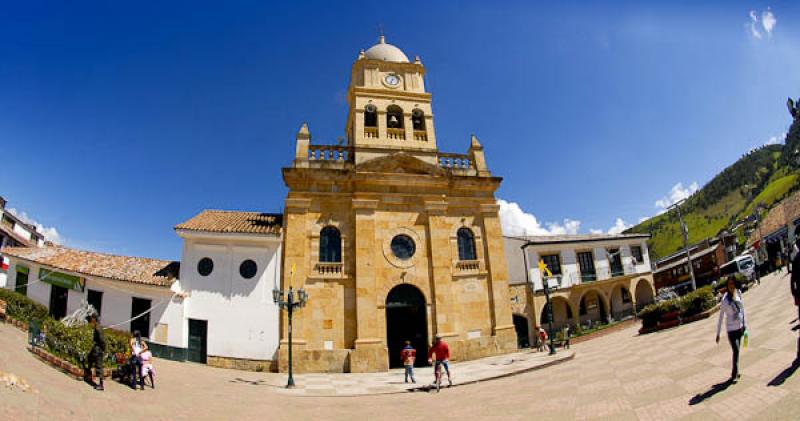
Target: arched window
394, 117
418, 119
330, 245
370, 116
466, 244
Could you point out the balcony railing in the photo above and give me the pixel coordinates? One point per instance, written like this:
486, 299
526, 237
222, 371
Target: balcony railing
396, 134
468, 266
420, 135
330, 269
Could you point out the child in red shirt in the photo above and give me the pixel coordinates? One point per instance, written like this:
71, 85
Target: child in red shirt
408, 356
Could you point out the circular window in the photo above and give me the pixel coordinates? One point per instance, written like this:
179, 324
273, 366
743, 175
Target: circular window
403, 247
205, 266
248, 269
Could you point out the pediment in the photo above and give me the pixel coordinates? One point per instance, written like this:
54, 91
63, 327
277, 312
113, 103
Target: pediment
399, 162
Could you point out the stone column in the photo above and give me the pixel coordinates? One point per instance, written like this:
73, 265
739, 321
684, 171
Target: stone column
408, 126
443, 311
370, 353
383, 125
295, 246
496, 266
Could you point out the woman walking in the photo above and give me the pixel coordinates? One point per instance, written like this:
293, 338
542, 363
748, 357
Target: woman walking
732, 309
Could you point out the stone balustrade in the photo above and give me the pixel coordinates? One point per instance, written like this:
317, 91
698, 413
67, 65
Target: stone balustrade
396, 134
331, 153
420, 135
371, 132
455, 161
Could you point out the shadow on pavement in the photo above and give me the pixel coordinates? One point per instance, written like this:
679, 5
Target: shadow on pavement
785, 374
719, 387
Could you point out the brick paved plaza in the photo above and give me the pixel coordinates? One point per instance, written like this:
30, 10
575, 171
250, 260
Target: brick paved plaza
667, 375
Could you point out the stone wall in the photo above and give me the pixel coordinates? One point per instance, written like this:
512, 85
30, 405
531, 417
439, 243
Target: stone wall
241, 364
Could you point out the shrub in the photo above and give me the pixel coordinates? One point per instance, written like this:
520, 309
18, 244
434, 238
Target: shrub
697, 302
23, 308
75, 343
690, 304
652, 313
69, 343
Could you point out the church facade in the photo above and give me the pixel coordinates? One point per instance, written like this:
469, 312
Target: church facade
392, 239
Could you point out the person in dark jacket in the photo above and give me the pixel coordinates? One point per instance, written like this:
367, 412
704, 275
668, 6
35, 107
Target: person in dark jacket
98, 351
794, 284
794, 281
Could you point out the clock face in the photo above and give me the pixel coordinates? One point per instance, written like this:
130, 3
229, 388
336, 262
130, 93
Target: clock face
392, 79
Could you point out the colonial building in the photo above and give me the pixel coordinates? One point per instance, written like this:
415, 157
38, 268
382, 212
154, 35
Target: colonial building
392, 239
707, 257
14, 233
120, 288
598, 278
216, 307
230, 264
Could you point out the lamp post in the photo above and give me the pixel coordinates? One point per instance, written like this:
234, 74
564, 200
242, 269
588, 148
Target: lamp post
757, 212
685, 231
289, 304
548, 304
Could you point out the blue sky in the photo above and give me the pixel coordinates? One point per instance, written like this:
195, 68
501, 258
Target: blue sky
120, 120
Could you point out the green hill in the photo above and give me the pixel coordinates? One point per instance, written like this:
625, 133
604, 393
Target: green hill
767, 175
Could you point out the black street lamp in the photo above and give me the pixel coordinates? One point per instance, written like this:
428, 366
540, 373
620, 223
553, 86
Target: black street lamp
289, 304
548, 304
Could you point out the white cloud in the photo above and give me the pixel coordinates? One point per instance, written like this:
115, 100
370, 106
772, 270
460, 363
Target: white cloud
676, 194
753, 25
50, 233
619, 226
776, 140
768, 21
516, 222
596, 231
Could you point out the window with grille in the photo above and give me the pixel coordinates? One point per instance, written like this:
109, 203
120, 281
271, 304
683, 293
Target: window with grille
586, 264
330, 245
466, 245
553, 262
636, 251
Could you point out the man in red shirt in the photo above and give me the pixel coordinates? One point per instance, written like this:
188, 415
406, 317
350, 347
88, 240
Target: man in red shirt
441, 352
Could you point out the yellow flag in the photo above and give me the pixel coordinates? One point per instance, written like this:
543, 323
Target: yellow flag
543, 268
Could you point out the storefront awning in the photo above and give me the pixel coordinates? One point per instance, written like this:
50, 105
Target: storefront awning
61, 279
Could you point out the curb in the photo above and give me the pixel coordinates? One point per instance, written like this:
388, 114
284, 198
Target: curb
427, 388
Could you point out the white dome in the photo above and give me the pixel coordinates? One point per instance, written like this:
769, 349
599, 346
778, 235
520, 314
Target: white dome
386, 52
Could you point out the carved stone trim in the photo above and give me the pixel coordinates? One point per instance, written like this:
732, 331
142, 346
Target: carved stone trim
365, 204
490, 208
297, 204
438, 207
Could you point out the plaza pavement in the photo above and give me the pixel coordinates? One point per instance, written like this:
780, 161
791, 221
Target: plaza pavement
673, 374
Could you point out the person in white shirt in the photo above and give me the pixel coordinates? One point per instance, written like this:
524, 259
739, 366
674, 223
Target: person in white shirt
732, 309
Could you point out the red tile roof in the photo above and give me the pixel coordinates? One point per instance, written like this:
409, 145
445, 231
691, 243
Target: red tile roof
139, 270
234, 222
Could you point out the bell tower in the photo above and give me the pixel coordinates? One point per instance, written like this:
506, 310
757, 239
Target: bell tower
390, 111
